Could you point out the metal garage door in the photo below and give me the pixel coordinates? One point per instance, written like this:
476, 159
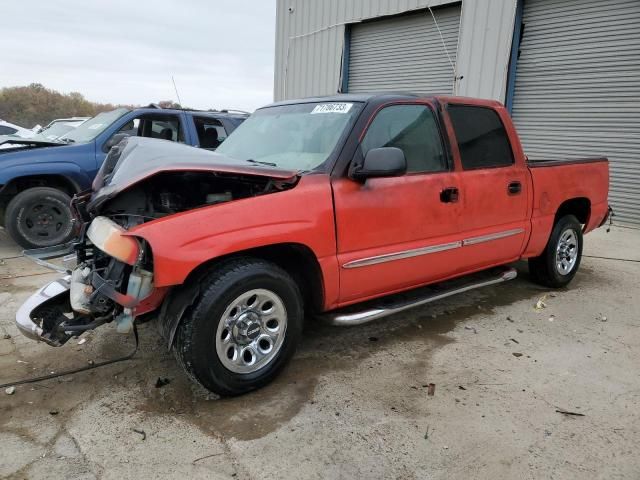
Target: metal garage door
577, 90
404, 53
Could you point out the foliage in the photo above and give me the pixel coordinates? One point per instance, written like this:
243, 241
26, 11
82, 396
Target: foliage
35, 104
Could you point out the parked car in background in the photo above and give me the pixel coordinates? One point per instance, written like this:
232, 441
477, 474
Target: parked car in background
71, 121
321, 206
38, 176
7, 128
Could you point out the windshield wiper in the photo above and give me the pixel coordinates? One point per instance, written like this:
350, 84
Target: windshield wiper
66, 140
269, 164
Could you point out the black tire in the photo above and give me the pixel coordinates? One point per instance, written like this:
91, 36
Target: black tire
40, 217
195, 345
544, 269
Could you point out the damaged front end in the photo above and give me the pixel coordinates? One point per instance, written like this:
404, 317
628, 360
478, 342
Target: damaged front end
113, 277
112, 282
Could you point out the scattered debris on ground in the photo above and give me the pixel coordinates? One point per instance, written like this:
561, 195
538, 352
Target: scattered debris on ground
10, 390
540, 304
431, 389
161, 382
6, 336
473, 329
552, 318
206, 456
373, 339
141, 432
517, 354
509, 319
514, 340
566, 412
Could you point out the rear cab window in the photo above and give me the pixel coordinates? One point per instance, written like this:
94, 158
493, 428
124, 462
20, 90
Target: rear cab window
211, 132
482, 139
413, 129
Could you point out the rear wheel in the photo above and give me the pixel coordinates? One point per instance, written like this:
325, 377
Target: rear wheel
40, 217
560, 259
243, 328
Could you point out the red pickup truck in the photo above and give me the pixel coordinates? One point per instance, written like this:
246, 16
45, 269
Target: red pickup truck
350, 207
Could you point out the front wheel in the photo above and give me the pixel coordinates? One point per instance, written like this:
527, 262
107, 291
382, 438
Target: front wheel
243, 328
40, 217
560, 259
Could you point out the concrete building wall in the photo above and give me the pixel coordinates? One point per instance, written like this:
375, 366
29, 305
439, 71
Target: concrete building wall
310, 37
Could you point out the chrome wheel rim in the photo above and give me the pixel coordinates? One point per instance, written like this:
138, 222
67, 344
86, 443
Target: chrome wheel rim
567, 252
251, 331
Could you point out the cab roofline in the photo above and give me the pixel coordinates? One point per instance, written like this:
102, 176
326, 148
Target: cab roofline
383, 97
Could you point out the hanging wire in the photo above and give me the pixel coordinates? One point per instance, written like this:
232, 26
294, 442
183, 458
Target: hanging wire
444, 45
79, 369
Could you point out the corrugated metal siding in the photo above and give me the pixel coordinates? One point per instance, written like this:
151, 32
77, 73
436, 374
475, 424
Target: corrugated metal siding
310, 40
577, 90
484, 48
405, 53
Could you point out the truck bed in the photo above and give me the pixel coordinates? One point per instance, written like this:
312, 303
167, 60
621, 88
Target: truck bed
553, 182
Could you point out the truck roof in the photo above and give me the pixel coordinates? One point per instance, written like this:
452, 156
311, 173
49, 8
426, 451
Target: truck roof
384, 97
207, 113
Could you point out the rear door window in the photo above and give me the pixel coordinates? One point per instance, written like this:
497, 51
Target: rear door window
481, 136
211, 132
164, 127
414, 130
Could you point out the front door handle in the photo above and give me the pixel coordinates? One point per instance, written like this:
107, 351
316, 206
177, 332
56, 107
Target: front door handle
449, 195
514, 188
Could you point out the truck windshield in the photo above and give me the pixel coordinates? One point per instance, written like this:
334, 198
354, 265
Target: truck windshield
297, 137
93, 127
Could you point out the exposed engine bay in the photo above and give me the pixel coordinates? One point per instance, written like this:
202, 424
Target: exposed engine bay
168, 193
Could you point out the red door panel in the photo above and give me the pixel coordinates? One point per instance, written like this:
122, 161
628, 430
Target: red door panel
495, 225
395, 233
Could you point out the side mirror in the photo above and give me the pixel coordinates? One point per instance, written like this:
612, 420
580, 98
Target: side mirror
381, 162
116, 139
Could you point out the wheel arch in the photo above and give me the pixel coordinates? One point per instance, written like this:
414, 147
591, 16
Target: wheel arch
24, 182
580, 207
296, 259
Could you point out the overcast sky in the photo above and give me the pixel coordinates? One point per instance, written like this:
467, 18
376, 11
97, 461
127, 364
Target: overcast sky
220, 52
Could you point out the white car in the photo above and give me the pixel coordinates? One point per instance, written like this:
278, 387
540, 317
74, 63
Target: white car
7, 128
51, 133
71, 121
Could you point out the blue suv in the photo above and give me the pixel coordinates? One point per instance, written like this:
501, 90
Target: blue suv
38, 178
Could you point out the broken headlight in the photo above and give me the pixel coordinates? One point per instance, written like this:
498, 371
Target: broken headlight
111, 238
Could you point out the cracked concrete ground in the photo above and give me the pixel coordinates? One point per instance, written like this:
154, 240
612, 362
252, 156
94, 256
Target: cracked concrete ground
353, 403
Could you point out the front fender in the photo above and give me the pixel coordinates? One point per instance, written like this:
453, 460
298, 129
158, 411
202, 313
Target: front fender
303, 215
73, 172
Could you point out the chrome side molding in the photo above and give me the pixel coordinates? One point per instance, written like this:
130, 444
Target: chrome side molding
390, 257
492, 236
357, 318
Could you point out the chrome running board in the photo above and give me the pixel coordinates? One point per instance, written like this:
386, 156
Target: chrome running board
347, 316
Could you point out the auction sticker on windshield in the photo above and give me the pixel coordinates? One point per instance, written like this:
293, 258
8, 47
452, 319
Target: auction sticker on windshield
332, 108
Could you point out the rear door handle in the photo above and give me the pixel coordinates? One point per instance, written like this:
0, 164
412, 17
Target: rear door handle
514, 188
449, 195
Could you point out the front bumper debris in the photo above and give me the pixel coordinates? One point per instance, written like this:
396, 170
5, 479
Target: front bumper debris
41, 255
53, 292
